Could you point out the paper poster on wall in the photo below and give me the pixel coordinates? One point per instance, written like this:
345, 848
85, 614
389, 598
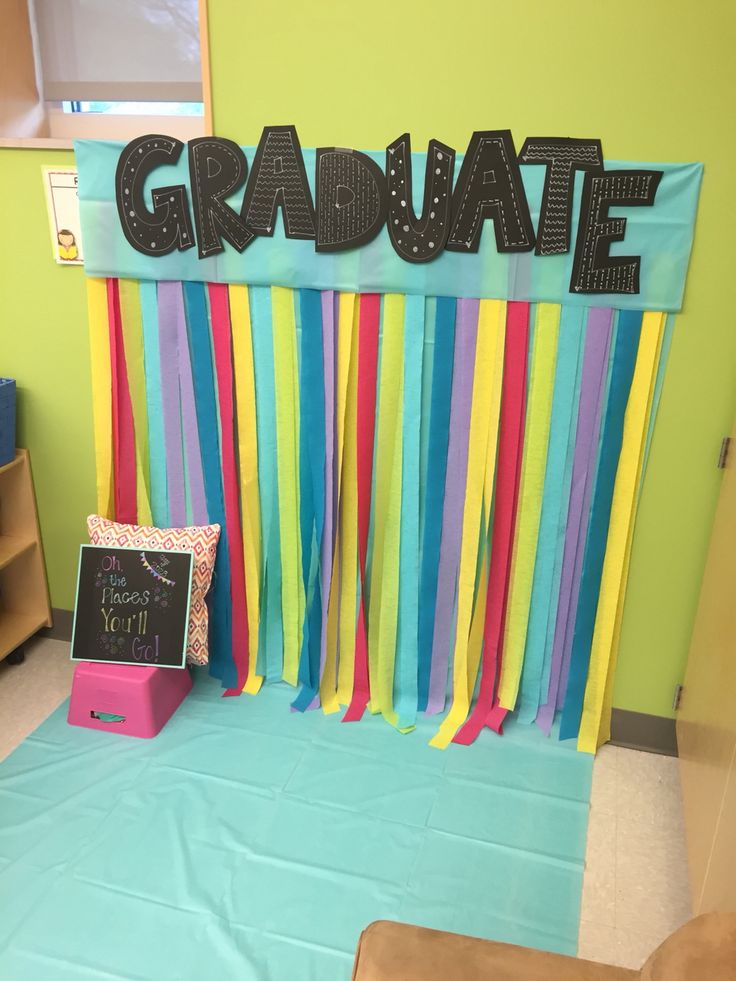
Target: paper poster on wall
62, 201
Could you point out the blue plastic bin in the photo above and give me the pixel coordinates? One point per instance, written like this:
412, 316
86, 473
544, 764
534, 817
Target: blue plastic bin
7, 420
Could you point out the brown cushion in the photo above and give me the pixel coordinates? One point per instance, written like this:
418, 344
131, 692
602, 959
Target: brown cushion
399, 952
704, 948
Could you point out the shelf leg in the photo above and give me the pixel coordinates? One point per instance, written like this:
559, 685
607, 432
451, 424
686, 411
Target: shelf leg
17, 656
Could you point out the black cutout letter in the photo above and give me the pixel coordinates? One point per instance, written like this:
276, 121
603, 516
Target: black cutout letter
217, 167
169, 226
351, 199
423, 239
490, 186
593, 269
563, 156
278, 179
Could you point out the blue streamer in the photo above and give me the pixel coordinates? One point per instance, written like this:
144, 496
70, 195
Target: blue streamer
156, 439
271, 638
221, 664
622, 373
553, 520
439, 434
312, 498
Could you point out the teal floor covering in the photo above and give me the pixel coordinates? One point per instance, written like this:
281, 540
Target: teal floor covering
250, 842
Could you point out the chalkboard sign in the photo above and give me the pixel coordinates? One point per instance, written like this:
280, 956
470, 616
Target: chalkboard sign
132, 606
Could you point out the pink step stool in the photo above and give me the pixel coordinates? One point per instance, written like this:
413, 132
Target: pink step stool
146, 697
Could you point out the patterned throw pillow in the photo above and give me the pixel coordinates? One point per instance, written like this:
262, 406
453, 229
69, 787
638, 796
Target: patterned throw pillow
201, 541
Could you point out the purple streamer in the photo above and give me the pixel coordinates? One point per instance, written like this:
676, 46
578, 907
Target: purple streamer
189, 416
466, 334
167, 337
592, 387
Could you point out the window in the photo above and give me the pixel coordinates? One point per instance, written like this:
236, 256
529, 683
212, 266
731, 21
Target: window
137, 108
141, 50
112, 70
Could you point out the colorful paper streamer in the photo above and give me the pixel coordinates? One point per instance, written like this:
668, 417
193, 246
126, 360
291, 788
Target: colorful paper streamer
425, 502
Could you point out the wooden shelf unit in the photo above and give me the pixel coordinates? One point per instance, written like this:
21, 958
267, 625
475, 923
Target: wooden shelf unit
24, 594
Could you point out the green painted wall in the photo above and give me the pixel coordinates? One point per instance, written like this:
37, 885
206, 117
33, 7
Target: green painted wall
43, 344
653, 80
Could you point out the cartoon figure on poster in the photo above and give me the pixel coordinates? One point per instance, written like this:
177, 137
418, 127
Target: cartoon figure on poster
62, 202
68, 250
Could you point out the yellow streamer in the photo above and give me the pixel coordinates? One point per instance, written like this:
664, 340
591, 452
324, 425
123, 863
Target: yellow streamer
250, 504
99, 345
483, 434
620, 532
349, 505
477, 626
383, 611
287, 400
130, 313
329, 682
604, 724
536, 439
475, 643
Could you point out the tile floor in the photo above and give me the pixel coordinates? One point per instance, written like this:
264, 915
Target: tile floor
30, 692
635, 890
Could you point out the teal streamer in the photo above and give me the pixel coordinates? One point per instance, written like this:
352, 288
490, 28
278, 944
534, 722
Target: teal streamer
271, 640
312, 493
221, 663
430, 318
622, 372
439, 432
553, 519
407, 649
156, 439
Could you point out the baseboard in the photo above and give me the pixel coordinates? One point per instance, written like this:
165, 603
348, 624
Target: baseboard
649, 733
62, 628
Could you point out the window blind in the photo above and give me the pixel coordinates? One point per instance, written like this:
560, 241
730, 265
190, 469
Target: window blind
121, 51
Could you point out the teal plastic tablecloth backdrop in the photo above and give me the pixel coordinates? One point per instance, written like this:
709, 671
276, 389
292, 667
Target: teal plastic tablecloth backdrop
661, 235
250, 843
